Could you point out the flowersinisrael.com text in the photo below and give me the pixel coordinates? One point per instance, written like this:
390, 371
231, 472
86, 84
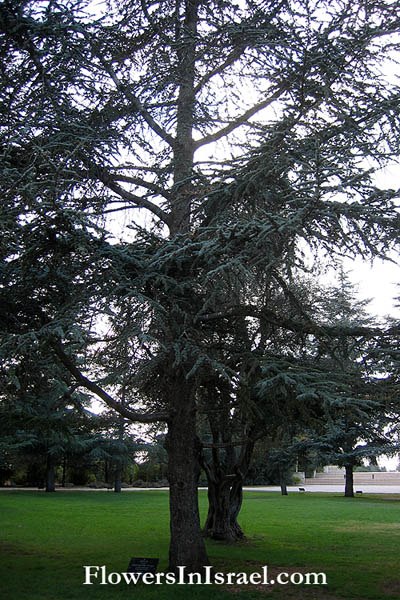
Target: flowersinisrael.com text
98, 574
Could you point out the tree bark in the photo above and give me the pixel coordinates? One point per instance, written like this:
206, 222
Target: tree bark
349, 485
187, 546
50, 480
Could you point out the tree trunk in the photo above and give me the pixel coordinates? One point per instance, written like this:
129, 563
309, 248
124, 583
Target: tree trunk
184, 146
349, 486
186, 545
118, 464
225, 475
282, 480
236, 499
117, 479
64, 470
50, 481
224, 503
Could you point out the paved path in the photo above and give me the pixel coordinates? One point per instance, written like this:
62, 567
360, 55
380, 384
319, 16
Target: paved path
337, 489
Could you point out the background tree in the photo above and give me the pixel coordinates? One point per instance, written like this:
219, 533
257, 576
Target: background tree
357, 424
41, 415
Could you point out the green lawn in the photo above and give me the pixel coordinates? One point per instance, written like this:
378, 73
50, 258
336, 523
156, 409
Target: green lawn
45, 539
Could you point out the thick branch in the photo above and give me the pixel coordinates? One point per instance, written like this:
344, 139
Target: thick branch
143, 183
309, 327
226, 444
93, 387
230, 60
109, 181
208, 139
136, 104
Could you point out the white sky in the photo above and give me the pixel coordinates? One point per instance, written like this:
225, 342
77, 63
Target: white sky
379, 282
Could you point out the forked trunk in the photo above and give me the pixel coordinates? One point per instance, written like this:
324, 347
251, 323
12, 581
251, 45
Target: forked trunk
224, 503
187, 546
225, 475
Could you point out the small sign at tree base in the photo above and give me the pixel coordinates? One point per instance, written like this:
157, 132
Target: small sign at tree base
143, 565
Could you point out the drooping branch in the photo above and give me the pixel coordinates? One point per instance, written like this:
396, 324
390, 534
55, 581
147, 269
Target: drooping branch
93, 387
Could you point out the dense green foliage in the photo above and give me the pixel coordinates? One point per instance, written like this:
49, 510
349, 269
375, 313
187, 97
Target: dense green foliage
79, 97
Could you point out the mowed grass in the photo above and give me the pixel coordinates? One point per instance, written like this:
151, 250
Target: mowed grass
46, 539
